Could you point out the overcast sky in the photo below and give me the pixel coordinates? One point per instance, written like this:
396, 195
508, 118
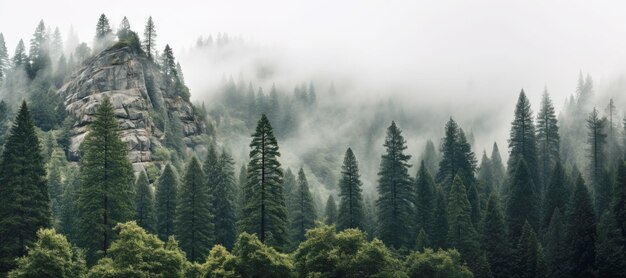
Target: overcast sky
496, 47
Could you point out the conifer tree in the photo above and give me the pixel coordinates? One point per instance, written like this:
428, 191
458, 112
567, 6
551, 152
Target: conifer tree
23, 190
39, 51
618, 205
103, 29
149, 41
242, 180
194, 221
530, 261
224, 199
522, 204
144, 204
4, 59
123, 30
556, 251
597, 144
581, 231
19, 59
548, 140
106, 195
68, 220
556, 195
474, 199
165, 199
497, 168
485, 179
302, 214
265, 210
495, 240
55, 188
610, 253
430, 157
396, 192
461, 232
440, 228
425, 200
457, 157
351, 214
168, 66
523, 146
422, 242
330, 213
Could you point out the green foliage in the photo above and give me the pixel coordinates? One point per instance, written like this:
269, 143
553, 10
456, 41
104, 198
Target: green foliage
439, 237
436, 264
495, 240
610, 253
218, 264
396, 193
302, 210
556, 194
497, 168
618, 205
457, 157
23, 190
523, 146
522, 203
461, 233
330, 213
194, 220
265, 212
597, 146
144, 204
548, 140
224, 198
530, 262
254, 259
50, 256
351, 214
556, 251
106, 195
425, 200
581, 231
136, 253
149, 41
165, 199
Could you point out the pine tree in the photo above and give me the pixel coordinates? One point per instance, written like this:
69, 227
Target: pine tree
20, 60
330, 213
23, 190
224, 199
149, 41
265, 210
610, 254
144, 204
165, 199
422, 242
38, 53
168, 66
474, 199
485, 179
461, 232
495, 240
597, 143
396, 193
618, 205
194, 221
548, 140
556, 195
523, 146
103, 29
106, 194
556, 254
242, 180
4, 59
302, 214
351, 214
457, 157
123, 30
497, 168
523, 203
581, 231
68, 220
425, 199
530, 262
430, 157
440, 228
55, 189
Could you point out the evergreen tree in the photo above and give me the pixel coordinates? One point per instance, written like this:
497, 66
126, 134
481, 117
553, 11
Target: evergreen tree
144, 204
495, 240
23, 190
557, 247
194, 221
522, 204
581, 231
351, 214
530, 262
20, 60
497, 168
430, 157
425, 200
474, 199
103, 33
618, 205
485, 179
302, 214
224, 202
548, 140
55, 188
68, 220
106, 194
610, 253
265, 210
461, 233
149, 41
457, 157
440, 228
523, 146
556, 195
39, 53
597, 143
4, 59
168, 66
123, 31
242, 180
166, 194
330, 213
396, 194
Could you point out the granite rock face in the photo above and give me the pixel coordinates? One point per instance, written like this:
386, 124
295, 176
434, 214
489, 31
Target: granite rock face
137, 91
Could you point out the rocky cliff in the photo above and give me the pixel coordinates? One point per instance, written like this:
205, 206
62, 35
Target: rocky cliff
142, 102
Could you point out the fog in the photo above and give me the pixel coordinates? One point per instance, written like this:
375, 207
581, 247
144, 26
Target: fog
430, 60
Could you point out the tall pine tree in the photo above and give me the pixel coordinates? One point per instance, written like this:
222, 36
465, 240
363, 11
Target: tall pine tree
149, 41
522, 205
495, 240
597, 144
23, 190
581, 231
395, 203
497, 168
224, 199
461, 232
556, 194
106, 192
440, 228
351, 214
302, 214
548, 140
530, 262
165, 200
330, 213
144, 204
556, 251
523, 145
457, 157
425, 200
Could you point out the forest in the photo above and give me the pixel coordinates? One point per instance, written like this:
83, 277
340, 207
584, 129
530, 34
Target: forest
215, 198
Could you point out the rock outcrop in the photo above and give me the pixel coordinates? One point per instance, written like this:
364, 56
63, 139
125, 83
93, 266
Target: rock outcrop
138, 93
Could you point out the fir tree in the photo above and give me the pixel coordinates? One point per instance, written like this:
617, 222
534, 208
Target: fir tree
23, 190
396, 194
610, 253
144, 204
461, 232
530, 261
242, 180
68, 220
556, 250
194, 221
425, 200
581, 231
495, 240
430, 157
165, 199
103, 29
440, 228
330, 213
457, 157
39, 53
265, 210
168, 66
422, 242
55, 188
106, 194
485, 179
4, 59
302, 214
522, 204
497, 168
149, 41
19, 59
556, 194
351, 214
548, 140
123, 30
597, 143
474, 199
523, 146
224, 199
